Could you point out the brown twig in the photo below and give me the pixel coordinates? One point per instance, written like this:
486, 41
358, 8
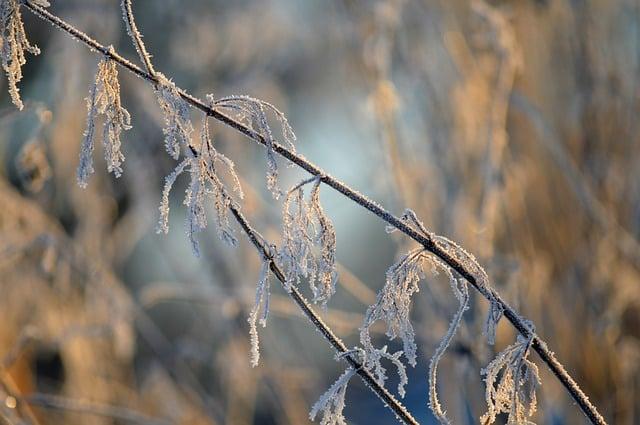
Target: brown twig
120, 413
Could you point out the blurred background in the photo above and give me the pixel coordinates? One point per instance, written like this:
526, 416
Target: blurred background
511, 127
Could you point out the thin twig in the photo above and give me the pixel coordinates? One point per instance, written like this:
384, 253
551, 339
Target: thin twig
389, 400
136, 37
425, 240
120, 413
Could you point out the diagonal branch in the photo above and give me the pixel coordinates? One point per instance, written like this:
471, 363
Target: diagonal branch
265, 252
425, 240
387, 398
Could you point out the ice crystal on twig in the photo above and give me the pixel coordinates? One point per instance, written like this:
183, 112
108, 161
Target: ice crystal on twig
163, 223
470, 264
85, 165
14, 43
305, 224
461, 291
253, 112
203, 165
393, 306
376, 356
326, 239
196, 220
393, 303
511, 382
463, 257
332, 402
496, 311
262, 299
296, 254
177, 116
409, 217
455, 251
136, 37
211, 160
104, 99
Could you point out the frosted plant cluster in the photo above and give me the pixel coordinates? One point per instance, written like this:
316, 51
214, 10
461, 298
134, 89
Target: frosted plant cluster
203, 163
306, 225
253, 113
393, 302
14, 44
178, 126
393, 305
332, 402
309, 241
204, 166
511, 382
104, 99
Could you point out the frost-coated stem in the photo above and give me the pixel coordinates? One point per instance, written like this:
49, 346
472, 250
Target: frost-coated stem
136, 37
425, 240
387, 398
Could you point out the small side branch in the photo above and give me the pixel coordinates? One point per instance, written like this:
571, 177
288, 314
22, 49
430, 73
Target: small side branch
387, 398
136, 36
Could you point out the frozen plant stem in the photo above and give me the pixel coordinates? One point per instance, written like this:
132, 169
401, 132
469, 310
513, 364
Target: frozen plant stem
425, 240
265, 252
387, 398
136, 37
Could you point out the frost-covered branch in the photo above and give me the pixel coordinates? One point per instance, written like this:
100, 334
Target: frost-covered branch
393, 306
266, 252
445, 251
136, 37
